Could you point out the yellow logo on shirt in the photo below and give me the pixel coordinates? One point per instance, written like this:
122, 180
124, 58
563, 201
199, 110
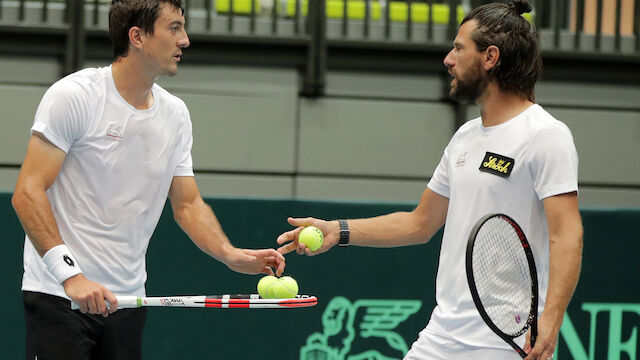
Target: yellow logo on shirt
497, 164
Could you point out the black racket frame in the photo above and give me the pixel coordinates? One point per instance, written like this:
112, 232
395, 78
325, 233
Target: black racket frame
532, 320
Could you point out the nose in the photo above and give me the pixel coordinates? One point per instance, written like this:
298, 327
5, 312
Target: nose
184, 40
448, 60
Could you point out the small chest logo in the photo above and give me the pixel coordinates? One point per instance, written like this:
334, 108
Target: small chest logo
462, 158
114, 133
497, 164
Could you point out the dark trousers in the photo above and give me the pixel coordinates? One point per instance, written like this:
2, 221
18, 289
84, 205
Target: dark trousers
54, 331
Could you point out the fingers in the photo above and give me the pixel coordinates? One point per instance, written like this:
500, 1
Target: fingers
276, 261
280, 268
301, 221
257, 262
303, 250
112, 300
542, 350
288, 248
291, 235
527, 344
89, 296
271, 256
294, 245
93, 301
291, 240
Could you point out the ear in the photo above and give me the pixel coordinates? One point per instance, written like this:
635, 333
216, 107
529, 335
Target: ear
136, 37
491, 57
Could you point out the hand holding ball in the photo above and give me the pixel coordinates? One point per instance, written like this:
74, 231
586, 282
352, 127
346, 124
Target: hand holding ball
270, 287
311, 237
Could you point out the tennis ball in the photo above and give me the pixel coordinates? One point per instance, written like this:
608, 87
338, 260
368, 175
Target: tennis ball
264, 283
284, 288
311, 237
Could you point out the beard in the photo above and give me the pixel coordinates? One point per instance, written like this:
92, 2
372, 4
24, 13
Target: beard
471, 86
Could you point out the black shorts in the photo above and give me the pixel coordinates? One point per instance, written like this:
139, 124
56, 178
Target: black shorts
54, 331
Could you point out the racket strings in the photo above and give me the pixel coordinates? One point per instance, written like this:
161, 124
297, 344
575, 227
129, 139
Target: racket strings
501, 274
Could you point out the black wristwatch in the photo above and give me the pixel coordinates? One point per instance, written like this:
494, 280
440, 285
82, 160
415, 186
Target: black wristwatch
344, 233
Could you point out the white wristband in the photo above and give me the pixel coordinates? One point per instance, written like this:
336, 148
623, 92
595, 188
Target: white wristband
61, 263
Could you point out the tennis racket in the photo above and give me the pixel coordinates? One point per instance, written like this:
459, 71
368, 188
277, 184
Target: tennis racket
502, 278
253, 301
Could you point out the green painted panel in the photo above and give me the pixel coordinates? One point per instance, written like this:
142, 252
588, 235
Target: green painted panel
602, 319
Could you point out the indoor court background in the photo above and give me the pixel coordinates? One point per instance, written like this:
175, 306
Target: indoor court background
338, 116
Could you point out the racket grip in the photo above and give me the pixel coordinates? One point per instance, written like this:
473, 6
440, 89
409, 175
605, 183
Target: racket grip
124, 302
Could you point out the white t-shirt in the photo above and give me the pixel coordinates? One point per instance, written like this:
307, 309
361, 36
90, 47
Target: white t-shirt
114, 181
523, 161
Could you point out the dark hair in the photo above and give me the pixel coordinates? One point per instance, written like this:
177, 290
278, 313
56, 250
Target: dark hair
501, 24
125, 14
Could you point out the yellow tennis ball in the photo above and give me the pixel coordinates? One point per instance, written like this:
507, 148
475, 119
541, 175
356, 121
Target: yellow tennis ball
264, 283
284, 288
311, 237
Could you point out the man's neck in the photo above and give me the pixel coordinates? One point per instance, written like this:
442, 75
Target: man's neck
497, 107
133, 84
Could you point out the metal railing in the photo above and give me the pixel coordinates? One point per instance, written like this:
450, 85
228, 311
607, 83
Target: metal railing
316, 25
410, 14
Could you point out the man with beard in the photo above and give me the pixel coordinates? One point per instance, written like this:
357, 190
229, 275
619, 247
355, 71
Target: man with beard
514, 159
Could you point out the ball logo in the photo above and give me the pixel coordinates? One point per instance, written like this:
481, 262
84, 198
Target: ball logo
68, 260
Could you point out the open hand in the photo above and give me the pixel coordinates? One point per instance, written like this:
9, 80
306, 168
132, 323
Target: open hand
330, 231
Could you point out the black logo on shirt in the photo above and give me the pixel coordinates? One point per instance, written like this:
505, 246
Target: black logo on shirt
68, 260
497, 164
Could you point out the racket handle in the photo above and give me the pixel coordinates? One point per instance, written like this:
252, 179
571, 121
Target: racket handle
124, 302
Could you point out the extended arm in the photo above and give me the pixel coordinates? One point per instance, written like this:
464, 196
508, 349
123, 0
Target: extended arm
199, 222
39, 170
565, 257
396, 229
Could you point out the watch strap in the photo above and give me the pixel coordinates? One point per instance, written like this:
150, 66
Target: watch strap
344, 233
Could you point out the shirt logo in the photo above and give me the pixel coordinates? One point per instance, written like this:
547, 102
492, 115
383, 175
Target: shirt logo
462, 158
114, 133
497, 164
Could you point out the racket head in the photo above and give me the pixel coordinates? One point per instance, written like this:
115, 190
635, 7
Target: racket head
502, 277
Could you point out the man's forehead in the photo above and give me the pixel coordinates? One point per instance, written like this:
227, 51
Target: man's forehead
170, 13
464, 33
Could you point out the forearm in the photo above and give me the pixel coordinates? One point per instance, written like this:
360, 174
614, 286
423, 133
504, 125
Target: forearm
564, 271
402, 228
396, 229
35, 214
199, 222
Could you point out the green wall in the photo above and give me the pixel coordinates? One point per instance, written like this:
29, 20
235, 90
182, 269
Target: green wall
603, 318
